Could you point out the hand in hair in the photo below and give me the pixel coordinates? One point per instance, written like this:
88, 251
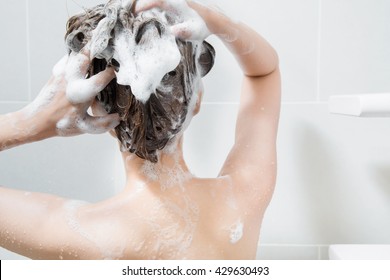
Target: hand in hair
65, 99
188, 24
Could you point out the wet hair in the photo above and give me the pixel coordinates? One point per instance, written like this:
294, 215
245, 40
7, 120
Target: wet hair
145, 127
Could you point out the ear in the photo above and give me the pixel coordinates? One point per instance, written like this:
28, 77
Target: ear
206, 58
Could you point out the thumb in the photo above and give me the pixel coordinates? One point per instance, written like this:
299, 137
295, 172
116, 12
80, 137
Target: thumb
191, 30
182, 31
98, 125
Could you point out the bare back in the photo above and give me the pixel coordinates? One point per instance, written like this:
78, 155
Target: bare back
201, 219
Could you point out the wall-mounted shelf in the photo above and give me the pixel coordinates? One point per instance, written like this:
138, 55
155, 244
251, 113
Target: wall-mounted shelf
375, 105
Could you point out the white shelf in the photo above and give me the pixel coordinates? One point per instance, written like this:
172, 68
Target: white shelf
375, 105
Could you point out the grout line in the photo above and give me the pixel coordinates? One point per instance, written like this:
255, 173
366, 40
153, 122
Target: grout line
319, 38
28, 52
319, 252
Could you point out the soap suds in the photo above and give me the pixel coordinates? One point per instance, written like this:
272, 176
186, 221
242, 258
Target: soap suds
167, 176
143, 65
144, 60
187, 24
174, 234
236, 232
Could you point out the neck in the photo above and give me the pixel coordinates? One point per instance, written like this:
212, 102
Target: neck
170, 170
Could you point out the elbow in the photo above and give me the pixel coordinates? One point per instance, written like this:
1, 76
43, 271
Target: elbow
265, 67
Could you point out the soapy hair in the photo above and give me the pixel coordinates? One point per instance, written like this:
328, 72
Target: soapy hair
145, 127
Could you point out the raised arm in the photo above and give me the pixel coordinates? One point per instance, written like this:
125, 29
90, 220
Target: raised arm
39, 225
252, 160
61, 107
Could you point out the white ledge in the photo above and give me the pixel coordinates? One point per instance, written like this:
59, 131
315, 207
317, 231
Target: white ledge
375, 105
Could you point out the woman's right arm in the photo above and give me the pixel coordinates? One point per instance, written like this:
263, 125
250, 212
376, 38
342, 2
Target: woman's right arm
252, 160
251, 163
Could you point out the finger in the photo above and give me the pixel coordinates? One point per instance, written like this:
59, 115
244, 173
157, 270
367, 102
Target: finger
78, 63
86, 50
144, 5
102, 79
84, 90
98, 109
98, 125
182, 31
191, 30
60, 66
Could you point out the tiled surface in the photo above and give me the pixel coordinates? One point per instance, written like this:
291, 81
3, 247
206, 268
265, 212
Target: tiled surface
355, 47
324, 252
287, 252
333, 183
333, 179
209, 138
47, 25
13, 52
292, 28
8, 255
77, 167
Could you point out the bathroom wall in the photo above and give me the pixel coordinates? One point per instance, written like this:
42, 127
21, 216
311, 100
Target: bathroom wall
334, 172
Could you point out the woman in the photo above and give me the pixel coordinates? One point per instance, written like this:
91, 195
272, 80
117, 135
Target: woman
163, 211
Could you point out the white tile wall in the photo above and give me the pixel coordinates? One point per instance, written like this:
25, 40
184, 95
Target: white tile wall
83, 162
292, 28
333, 184
332, 181
209, 138
288, 252
355, 56
46, 26
13, 52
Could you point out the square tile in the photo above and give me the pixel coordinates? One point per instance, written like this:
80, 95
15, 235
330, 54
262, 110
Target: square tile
287, 252
14, 78
8, 255
355, 55
324, 252
332, 184
81, 167
209, 138
292, 28
47, 26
